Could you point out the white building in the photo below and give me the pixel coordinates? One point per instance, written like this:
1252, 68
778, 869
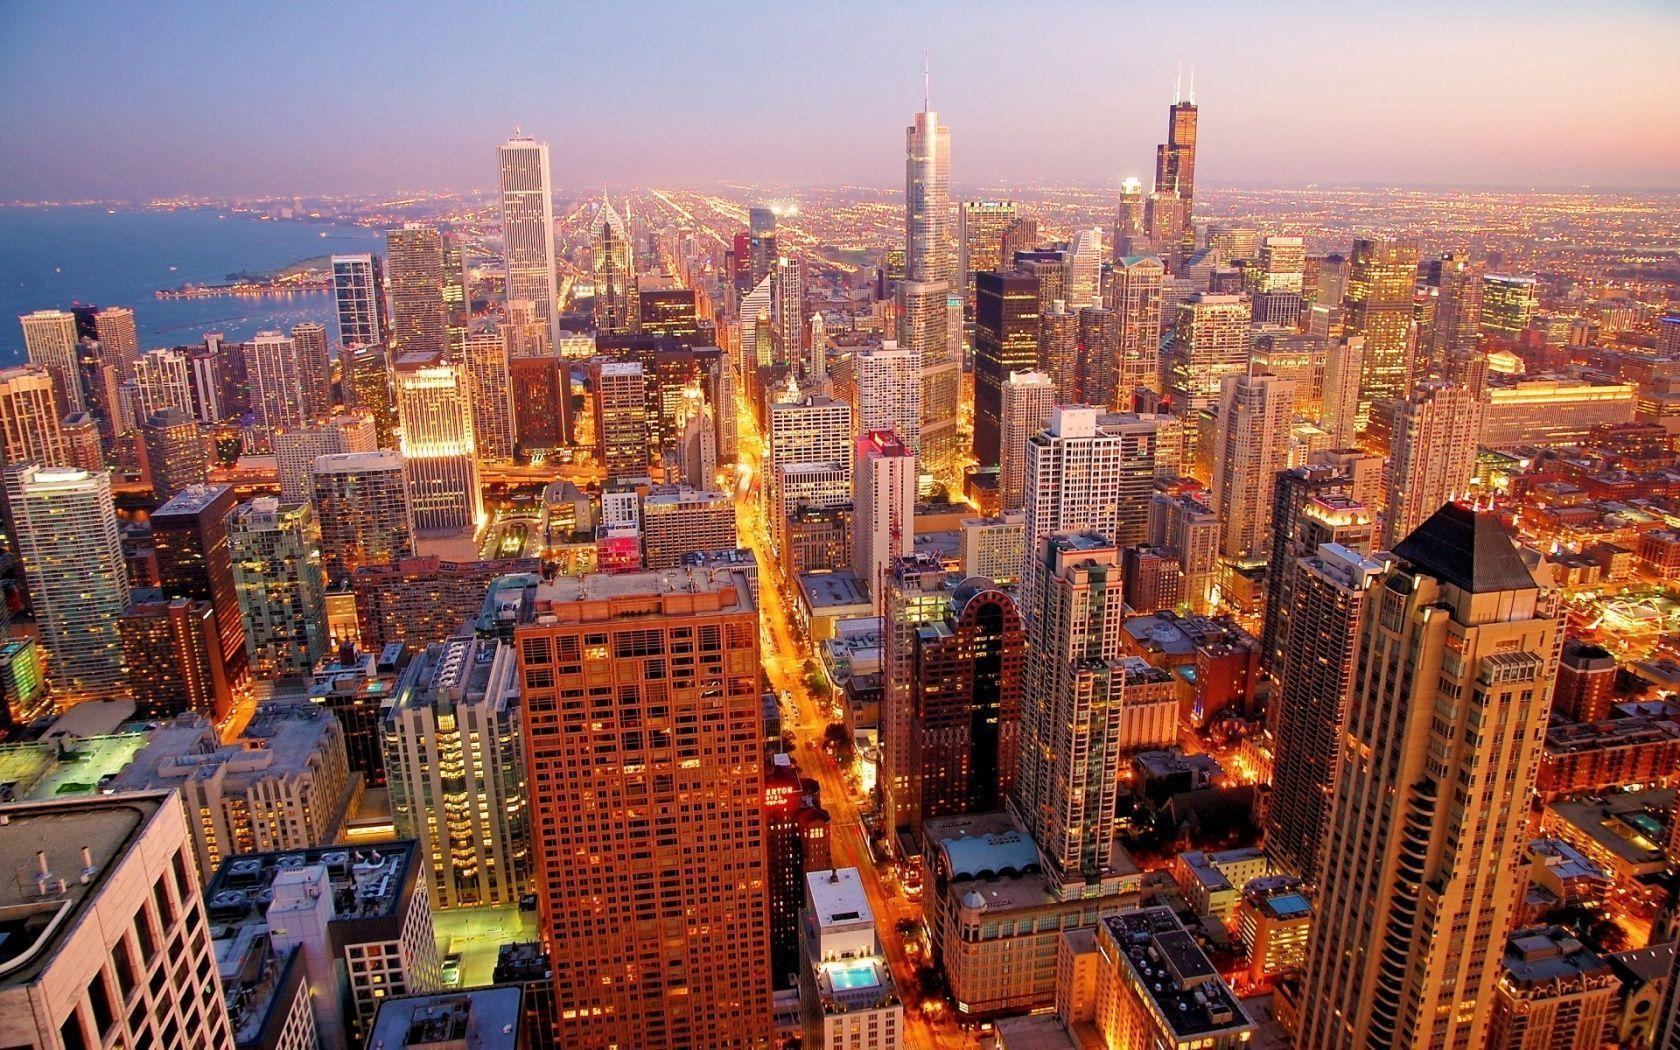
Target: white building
883, 505
846, 989
1028, 398
1251, 447
889, 391
297, 448
439, 454
49, 338
1090, 470
528, 228
164, 378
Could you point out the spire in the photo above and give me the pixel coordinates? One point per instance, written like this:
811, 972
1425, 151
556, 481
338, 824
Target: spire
1192, 85
927, 82
1178, 83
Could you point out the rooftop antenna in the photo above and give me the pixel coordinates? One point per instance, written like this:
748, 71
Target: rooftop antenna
1192, 85
927, 82
1178, 83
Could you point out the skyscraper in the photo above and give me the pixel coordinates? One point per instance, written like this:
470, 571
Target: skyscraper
1134, 298
1028, 398
1082, 267
883, 504
1508, 304
621, 418
1129, 229
1343, 365
1433, 455
367, 385
49, 338
528, 229
361, 300
276, 386
73, 563
1313, 504
1006, 328
761, 243
297, 448
314, 369
1251, 448
1175, 179
787, 311
173, 452
276, 556
194, 561
163, 380
980, 228
29, 419
888, 381
437, 443
656, 960
362, 506
924, 295
614, 271
415, 272
1093, 471
1458, 307
489, 390
1211, 340
1381, 277
1443, 735
915, 594
119, 341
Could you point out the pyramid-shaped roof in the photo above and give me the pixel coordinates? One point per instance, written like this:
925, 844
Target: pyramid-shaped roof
1468, 549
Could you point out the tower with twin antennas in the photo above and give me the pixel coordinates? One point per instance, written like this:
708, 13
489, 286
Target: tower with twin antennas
1170, 222
924, 295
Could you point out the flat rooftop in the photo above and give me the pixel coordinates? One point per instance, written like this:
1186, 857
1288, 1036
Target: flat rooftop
564, 590
832, 590
484, 1019
37, 770
1547, 953
1168, 967
367, 881
838, 898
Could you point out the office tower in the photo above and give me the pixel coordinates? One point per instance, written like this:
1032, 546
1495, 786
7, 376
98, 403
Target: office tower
414, 271
884, 505
1432, 455
787, 311
1314, 504
1027, 399
980, 229
889, 391
1283, 264
283, 784
1128, 235
362, 504
621, 418
614, 271
848, 1000
67, 538
1381, 277
1314, 672
915, 594
1441, 740
81, 438
541, 391
1175, 173
276, 383
1072, 708
119, 341
1508, 304
796, 834
173, 452
965, 725
490, 393
444, 493
29, 418
356, 920
760, 243
688, 965
358, 291
927, 198
421, 600
1211, 340
755, 306
190, 543
1343, 365
664, 308
174, 658
207, 371
163, 379
1058, 351
49, 339
129, 961
1006, 330
700, 450
924, 329
677, 521
1082, 266
1098, 354
1155, 987
810, 460
924, 295
1133, 296
817, 336
1251, 448
528, 229
276, 556
455, 765
1586, 682
315, 376
1458, 308
297, 448
1090, 470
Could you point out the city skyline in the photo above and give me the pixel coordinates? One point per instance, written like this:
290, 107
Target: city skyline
695, 114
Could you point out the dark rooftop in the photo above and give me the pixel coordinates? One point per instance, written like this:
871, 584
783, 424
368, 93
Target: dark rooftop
1168, 966
1470, 550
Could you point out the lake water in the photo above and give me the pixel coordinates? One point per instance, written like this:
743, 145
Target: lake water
52, 258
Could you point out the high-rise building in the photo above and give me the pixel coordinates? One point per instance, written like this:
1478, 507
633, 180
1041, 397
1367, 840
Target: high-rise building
924, 329
796, 833
1006, 327
1072, 709
119, 340
490, 392
1586, 682
1339, 403
66, 530
528, 229
1440, 745
916, 594
654, 961
1508, 304
810, 459
1554, 990
276, 556
1028, 398
1128, 236
1433, 455
965, 727
421, 600
980, 229
358, 291
761, 243
848, 1000
1082, 268
1211, 340
414, 271
541, 398
297, 448
888, 385
755, 307
315, 372
190, 543
614, 271
367, 385
787, 311
455, 765
1312, 505
1458, 307
1155, 987
438, 455
1133, 296
1058, 351
276, 383
1175, 174
173, 452
29, 418
1090, 470
924, 295
134, 922
163, 379
174, 659
1251, 448
49, 339
1382, 275
621, 418
884, 504
362, 505
1314, 672
677, 521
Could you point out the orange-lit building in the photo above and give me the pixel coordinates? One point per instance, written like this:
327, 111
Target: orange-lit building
646, 766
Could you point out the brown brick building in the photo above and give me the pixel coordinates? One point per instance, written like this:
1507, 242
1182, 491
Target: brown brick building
422, 601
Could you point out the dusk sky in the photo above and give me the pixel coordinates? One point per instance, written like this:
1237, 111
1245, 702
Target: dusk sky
135, 100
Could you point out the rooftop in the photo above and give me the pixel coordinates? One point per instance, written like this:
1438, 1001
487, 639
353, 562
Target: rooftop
453, 671
38, 770
838, 898
191, 500
281, 740
484, 1019
1548, 953
829, 590
367, 883
1470, 550
686, 580
1169, 968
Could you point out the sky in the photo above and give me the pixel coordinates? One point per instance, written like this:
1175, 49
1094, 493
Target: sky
133, 100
